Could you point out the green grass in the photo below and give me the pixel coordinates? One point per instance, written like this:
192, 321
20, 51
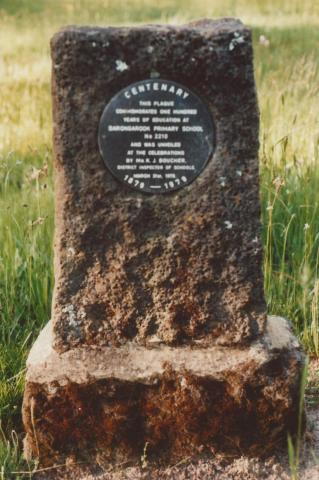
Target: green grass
287, 75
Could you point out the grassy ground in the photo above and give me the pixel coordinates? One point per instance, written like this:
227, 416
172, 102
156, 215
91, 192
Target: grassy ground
287, 74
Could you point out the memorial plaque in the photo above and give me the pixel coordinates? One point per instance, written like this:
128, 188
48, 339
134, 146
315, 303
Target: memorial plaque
156, 136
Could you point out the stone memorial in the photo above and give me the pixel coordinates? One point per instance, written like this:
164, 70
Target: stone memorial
159, 335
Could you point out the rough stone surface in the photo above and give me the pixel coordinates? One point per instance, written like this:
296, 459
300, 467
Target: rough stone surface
109, 404
174, 268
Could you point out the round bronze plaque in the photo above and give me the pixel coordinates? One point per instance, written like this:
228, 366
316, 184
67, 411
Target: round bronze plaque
156, 136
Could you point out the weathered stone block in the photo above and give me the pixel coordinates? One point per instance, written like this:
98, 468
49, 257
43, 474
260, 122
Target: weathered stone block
106, 404
174, 268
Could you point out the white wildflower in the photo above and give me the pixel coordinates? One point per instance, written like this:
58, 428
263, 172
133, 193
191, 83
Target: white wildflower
264, 41
306, 226
228, 225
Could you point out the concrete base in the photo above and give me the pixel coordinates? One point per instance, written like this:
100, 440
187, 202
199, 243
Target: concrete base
113, 404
